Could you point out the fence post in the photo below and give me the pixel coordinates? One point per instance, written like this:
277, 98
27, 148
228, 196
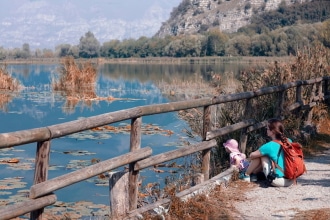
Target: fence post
118, 184
135, 144
41, 171
325, 89
279, 109
206, 154
308, 122
244, 135
320, 92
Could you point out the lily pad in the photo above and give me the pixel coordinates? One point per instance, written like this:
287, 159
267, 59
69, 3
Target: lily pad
12, 183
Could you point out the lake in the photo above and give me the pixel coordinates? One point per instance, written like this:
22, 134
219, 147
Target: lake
36, 105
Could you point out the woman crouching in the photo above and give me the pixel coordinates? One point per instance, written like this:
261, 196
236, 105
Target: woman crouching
261, 159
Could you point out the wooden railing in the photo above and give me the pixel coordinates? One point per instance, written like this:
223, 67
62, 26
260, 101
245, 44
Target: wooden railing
42, 191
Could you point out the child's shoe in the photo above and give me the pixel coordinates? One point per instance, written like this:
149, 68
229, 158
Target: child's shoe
244, 177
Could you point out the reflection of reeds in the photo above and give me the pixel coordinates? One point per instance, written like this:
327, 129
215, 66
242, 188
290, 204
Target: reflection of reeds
77, 82
8, 87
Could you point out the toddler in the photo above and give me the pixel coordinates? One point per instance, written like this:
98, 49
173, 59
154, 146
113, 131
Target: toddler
237, 158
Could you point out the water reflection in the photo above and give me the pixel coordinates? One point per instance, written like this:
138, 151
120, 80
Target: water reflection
130, 86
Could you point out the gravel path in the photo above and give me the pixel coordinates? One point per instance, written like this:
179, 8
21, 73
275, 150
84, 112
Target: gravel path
312, 192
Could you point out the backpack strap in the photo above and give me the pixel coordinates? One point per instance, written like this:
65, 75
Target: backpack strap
278, 155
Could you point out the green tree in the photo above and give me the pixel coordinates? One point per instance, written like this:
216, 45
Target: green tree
110, 49
141, 47
261, 45
47, 53
62, 50
240, 45
25, 53
74, 51
157, 45
2, 53
280, 47
17, 53
293, 41
127, 48
216, 43
185, 46
325, 33
89, 46
38, 53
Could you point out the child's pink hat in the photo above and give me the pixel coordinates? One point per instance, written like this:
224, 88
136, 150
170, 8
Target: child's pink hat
231, 145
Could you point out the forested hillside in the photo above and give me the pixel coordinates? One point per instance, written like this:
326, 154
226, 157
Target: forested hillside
279, 32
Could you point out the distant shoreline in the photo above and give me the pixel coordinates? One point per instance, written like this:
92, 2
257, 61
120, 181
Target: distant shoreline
155, 60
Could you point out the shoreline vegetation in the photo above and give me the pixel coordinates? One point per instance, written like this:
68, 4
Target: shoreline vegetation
157, 60
308, 64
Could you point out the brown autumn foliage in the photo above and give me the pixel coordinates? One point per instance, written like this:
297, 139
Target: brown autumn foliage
76, 82
8, 87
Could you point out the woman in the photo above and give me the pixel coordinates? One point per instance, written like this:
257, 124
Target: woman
261, 159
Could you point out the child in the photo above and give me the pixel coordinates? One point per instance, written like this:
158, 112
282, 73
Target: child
237, 158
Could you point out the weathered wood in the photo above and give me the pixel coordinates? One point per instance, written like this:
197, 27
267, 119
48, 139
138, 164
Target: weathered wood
49, 186
309, 106
174, 106
135, 144
257, 126
280, 102
170, 155
228, 129
244, 133
320, 92
298, 94
204, 188
197, 179
325, 87
21, 208
75, 126
294, 106
119, 201
206, 154
41, 171
23, 137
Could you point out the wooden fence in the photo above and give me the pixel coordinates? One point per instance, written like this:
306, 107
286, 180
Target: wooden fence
42, 191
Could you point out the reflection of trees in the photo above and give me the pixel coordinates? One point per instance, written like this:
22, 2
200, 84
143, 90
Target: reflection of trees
177, 81
166, 72
9, 87
76, 83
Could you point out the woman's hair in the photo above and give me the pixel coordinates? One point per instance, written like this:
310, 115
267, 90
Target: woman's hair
276, 126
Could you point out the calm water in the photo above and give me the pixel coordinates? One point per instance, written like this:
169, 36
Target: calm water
136, 85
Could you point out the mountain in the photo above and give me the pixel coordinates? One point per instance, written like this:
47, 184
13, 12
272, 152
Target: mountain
194, 16
47, 23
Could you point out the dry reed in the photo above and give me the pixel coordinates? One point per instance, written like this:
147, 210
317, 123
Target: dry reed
8, 87
77, 82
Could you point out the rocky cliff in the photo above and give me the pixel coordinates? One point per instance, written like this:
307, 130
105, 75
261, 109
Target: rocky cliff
194, 16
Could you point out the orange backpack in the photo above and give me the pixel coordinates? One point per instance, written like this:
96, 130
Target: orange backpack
294, 165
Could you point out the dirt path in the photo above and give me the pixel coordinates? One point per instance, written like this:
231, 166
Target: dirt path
309, 199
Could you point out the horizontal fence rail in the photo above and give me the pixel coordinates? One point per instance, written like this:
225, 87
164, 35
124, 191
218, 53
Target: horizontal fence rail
48, 186
41, 192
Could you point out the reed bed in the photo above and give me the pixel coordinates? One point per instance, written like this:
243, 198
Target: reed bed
9, 86
7, 83
76, 83
309, 63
